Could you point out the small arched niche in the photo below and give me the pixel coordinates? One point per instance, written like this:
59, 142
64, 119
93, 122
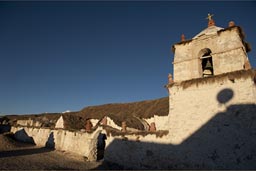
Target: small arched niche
206, 63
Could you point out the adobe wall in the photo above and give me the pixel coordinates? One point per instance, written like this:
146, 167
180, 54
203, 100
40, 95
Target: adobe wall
194, 104
212, 125
111, 123
213, 121
133, 151
81, 143
60, 123
228, 54
161, 122
28, 122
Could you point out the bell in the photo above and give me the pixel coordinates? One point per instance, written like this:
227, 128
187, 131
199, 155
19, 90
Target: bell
208, 65
207, 72
208, 69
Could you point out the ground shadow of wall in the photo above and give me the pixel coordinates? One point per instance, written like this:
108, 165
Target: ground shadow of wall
23, 152
50, 141
4, 128
227, 141
22, 136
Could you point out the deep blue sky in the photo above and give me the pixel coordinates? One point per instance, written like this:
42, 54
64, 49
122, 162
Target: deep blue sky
58, 56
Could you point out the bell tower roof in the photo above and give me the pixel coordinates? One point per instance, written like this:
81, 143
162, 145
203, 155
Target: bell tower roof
208, 31
211, 29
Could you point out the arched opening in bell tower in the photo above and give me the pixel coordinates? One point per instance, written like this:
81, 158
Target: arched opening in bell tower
206, 62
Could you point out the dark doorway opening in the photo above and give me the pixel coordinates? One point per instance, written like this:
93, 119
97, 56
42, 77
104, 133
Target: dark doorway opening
101, 146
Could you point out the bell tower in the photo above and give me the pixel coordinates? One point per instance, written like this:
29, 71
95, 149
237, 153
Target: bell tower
213, 51
212, 99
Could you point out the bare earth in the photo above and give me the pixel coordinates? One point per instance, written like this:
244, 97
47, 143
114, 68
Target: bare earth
21, 156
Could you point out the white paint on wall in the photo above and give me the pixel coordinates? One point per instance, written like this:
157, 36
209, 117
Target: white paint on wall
80, 143
60, 123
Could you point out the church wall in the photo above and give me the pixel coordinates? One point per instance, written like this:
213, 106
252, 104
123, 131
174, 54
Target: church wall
212, 125
228, 61
212, 122
181, 70
182, 61
136, 151
192, 107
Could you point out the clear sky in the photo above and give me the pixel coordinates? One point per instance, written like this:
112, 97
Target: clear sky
58, 56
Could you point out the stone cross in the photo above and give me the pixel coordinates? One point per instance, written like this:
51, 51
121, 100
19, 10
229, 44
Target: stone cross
210, 20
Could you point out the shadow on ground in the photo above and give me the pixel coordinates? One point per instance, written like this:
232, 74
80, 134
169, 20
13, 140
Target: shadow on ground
23, 152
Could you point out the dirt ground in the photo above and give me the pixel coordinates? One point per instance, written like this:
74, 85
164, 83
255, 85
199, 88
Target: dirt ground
21, 156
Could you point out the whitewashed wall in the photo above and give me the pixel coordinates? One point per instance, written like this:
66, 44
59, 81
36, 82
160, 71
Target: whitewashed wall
80, 143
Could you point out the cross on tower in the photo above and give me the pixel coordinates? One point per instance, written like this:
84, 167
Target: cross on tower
210, 20
209, 17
